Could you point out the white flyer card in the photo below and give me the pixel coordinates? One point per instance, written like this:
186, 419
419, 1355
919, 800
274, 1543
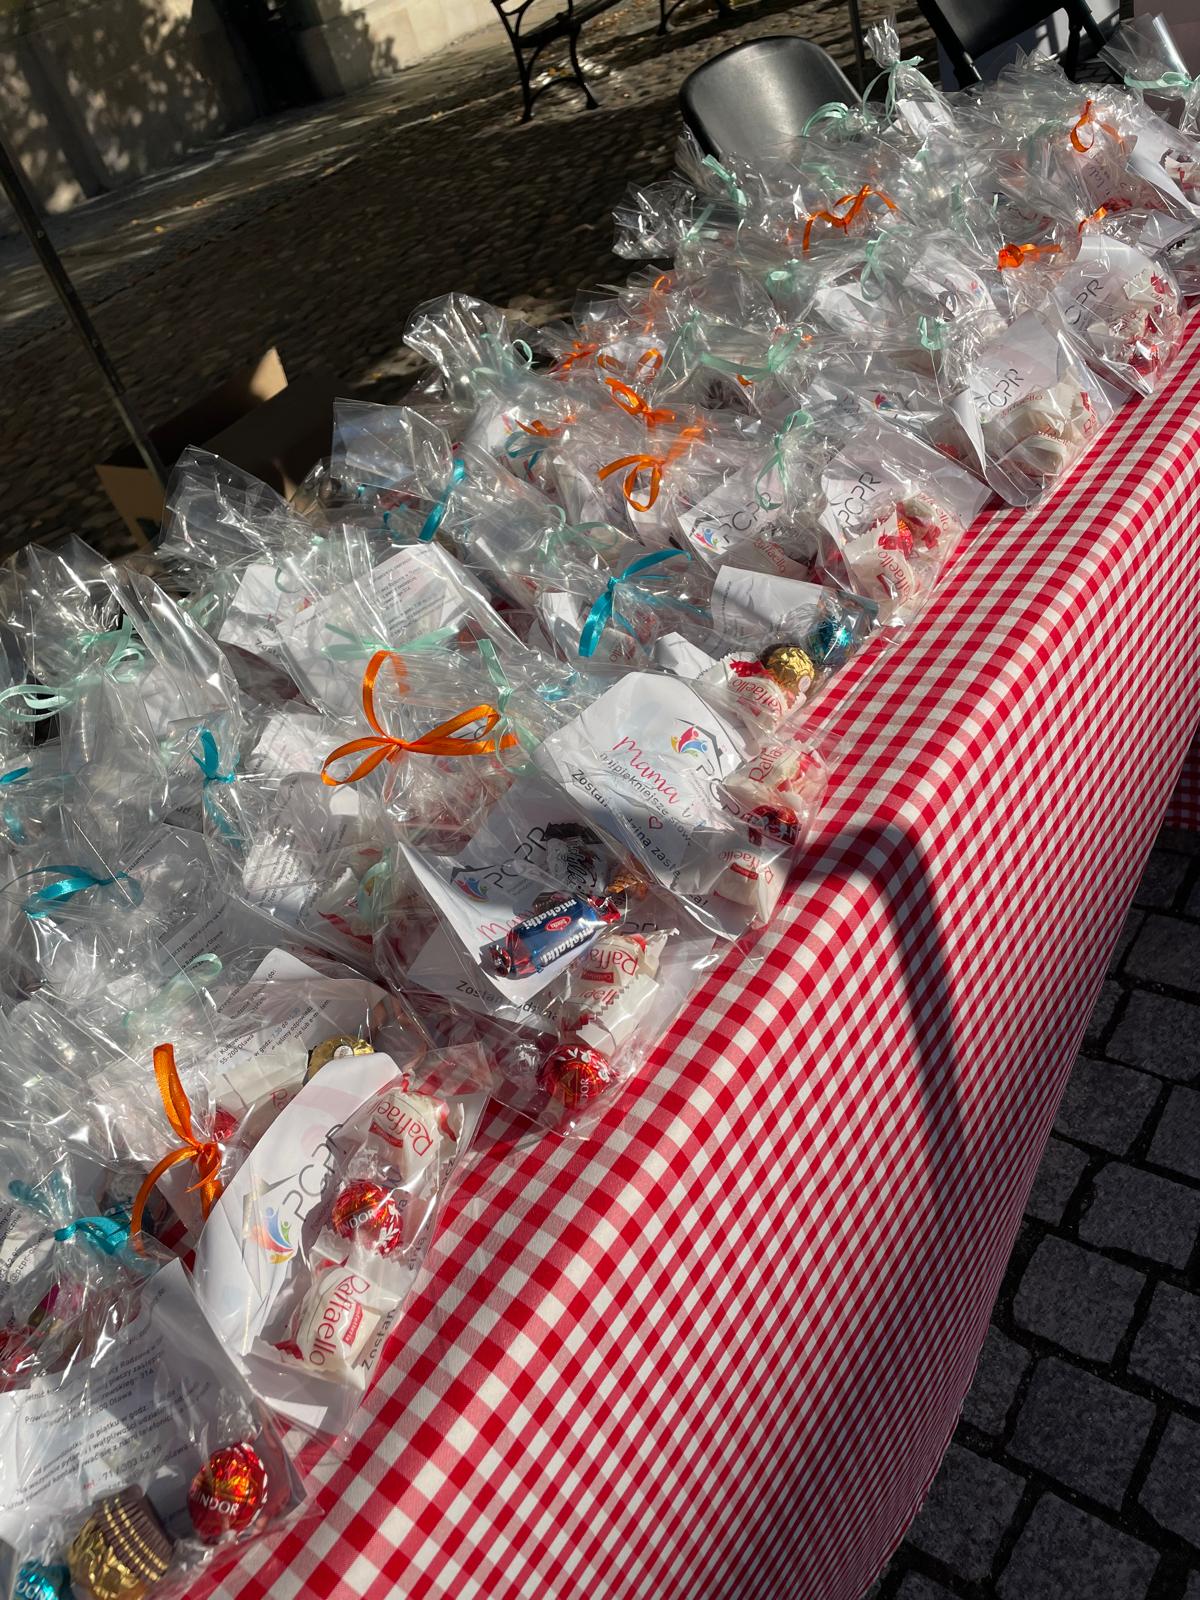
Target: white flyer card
643, 760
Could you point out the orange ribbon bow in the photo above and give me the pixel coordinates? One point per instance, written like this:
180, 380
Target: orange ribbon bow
578, 352
206, 1153
440, 741
1016, 255
855, 203
654, 465
538, 427
1097, 216
1091, 122
637, 405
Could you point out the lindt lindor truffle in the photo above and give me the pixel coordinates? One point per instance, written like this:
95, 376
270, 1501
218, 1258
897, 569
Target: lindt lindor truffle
122, 1551
227, 1493
366, 1214
575, 1074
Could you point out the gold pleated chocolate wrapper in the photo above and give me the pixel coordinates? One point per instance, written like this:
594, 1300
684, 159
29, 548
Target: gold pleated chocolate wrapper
340, 1045
792, 668
122, 1552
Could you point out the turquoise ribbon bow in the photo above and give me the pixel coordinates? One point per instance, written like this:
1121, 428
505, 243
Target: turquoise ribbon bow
108, 1234
604, 608
434, 520
361, 646
209, 760
1171, 79
74, 880
831, 111
890, 73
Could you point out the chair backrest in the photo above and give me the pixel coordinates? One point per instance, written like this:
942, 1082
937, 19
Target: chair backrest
754, 99
969, 28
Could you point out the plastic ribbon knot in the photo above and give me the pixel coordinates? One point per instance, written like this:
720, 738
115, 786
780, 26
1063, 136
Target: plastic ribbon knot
854, 203
1095, 216
16, 829
1171, 79
205, 1153
73, 880
198, 974
443, 740
438, 511
635, 465
1091, 122
890, 73
1016, 255
831, 111
604, 607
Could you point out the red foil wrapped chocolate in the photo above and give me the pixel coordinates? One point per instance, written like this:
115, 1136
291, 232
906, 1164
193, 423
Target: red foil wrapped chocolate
227, 1493
576, 1074
368, 1214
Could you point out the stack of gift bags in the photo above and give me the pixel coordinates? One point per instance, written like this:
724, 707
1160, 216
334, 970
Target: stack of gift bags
447, 780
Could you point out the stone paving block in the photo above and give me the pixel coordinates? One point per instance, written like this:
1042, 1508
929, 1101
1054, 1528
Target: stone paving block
1166, 1351
1162, 878
1002, 1365
1066, 1554
1129, 932
1081, 1431
1102, 1011
1176, 1141
1166, 950
1143, 1214
968, 1509
1060, 1171
1077, 1298
1159, 1033
1171, 1492
1106, 1105
1182, 840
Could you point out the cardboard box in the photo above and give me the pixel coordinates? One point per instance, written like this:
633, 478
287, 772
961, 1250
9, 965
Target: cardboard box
257, 419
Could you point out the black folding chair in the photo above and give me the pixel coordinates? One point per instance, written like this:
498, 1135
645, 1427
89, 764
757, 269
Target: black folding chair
754, 99
969, 28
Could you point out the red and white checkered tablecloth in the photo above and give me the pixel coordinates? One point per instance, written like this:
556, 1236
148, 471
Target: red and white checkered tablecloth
717, 1353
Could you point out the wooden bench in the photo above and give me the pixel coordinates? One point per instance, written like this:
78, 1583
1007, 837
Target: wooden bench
567, 24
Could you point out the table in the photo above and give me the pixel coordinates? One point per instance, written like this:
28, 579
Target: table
717, 1353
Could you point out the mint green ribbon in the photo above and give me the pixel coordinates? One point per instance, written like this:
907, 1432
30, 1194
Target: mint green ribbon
831, 111
890, 73
778, 462
737, 195
16, 829
359, 646
201, 972
777, 356
504, 690
74, 880
125, 660
1171, 79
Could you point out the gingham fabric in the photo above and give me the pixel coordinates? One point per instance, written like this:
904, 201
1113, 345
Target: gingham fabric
719, 1350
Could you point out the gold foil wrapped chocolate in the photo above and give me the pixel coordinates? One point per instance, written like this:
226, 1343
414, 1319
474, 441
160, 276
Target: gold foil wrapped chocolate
338, 1048
122, 1552
791, 667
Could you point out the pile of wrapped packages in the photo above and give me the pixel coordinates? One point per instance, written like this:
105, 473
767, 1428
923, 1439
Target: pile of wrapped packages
447, 779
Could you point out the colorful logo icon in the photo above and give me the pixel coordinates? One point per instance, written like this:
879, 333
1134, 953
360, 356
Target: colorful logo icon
708, 538
471, 888
272, 1234
689, 743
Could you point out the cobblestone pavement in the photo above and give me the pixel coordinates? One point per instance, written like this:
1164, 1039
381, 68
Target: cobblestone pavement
1075, 1471
321, 231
